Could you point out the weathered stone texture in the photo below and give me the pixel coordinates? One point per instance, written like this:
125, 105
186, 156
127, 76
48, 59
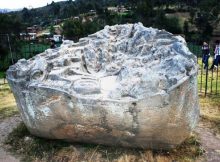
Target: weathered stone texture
124, 85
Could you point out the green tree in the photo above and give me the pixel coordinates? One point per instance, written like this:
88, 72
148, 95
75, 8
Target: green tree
55, 8
171, 24
207, 17
10, 28
145, 8
52, 30
10, 24
211, 7
25, 13
91, 27
186, 29
72, 29
160, 19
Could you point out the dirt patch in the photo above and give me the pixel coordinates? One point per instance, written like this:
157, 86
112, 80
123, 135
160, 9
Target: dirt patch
210, 142
6, 126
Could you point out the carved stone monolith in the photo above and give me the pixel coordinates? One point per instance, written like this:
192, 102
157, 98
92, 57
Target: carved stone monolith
125, 85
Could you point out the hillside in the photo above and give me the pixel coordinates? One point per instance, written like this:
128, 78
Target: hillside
197, 19
60, 10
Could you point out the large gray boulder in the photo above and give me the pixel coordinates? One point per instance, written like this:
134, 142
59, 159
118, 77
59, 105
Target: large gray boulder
125, 85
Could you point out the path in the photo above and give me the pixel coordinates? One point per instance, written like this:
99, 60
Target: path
210, 143
6, 126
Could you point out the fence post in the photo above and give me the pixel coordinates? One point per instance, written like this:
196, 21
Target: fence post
211, 81
9, 44
217, 81
201, 77
206, 81
29, 46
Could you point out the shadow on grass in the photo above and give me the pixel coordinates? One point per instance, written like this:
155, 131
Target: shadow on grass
8, 112
32, 148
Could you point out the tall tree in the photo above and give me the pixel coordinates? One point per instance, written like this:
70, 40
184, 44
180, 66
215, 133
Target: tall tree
207, 17
55, 8
72, 29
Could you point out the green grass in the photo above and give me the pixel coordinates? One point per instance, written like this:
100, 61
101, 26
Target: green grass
33, 148
7, 102
123, 14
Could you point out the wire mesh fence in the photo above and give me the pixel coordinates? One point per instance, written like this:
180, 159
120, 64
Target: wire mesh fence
13, 48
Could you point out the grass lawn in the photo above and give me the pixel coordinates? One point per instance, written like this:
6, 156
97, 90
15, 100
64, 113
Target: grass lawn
7, 102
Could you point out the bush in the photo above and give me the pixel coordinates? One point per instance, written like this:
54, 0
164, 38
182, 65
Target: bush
91, 27
173, 25
72, 29
2, 74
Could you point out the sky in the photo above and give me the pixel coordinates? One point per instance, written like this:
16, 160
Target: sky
19, 4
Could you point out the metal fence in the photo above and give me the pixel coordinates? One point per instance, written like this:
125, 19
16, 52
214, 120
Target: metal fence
13, 48
208, 79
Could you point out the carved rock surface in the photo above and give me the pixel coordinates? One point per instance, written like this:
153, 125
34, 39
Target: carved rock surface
125, 85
